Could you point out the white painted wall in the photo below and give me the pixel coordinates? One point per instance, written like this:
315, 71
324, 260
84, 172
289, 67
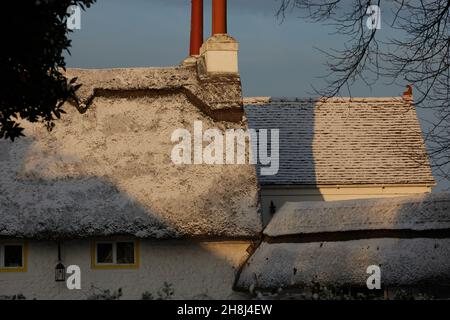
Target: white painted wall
281, 195
196, 270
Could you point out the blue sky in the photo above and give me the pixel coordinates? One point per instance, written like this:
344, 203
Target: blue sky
276, 58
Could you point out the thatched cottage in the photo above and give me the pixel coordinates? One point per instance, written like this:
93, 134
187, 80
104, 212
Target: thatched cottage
101, 192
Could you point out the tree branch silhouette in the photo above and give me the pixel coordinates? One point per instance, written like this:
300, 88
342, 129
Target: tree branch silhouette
420, 56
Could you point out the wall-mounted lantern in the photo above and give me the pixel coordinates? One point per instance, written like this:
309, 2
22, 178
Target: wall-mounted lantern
60, 270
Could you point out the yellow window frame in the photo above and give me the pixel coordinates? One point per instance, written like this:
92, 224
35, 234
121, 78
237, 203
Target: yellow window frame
23, 268
113, 266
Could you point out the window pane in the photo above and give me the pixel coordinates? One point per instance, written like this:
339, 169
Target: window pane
13, 256
104, 253
125, 252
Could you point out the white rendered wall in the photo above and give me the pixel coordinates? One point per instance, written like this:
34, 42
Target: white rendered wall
195, 269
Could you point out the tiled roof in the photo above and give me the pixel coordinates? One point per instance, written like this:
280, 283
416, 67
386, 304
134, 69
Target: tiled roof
343, 141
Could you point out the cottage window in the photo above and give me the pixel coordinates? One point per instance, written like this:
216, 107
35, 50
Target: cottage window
125, 252
115, 254
105, 253
12, 257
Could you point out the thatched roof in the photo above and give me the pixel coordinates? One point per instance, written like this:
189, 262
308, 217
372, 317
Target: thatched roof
333, 243
106, 167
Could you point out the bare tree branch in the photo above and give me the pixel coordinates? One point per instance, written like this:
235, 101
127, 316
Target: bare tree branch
420, 56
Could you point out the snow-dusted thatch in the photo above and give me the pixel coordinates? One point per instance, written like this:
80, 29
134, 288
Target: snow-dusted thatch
403, 262
220, 96
419, 212
108, 170
333, 243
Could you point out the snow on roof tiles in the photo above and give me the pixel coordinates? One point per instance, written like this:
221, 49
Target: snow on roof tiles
343, 141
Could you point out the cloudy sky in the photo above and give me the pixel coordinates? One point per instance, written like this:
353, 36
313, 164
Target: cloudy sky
276, 58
